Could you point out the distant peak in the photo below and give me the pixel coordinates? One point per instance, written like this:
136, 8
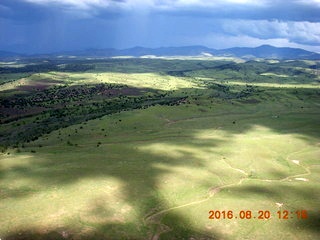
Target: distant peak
266, 46
138, 47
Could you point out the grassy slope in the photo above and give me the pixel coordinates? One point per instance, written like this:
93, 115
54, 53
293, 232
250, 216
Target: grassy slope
136, 174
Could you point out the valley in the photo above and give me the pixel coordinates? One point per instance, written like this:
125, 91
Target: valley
145, 148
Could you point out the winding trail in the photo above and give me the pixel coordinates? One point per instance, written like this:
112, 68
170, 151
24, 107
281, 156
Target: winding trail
155, 218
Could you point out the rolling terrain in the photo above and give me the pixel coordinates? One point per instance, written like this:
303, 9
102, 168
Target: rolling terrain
139, 148
263, 51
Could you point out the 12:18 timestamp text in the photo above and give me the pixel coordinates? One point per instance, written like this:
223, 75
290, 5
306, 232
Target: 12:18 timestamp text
260, 214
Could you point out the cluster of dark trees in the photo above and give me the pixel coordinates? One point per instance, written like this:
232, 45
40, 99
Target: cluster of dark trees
77, 107
61, 94
47, 67
225, 92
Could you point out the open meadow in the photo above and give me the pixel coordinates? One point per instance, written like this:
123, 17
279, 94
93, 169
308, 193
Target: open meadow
159, 149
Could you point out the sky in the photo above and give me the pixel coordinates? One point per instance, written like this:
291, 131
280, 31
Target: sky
46, 26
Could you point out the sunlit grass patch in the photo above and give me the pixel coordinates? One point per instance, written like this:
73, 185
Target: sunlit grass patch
273, 74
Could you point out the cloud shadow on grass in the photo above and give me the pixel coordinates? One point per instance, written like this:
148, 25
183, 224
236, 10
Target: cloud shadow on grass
140, 176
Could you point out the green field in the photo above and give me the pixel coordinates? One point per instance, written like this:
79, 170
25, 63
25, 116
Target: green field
146, 148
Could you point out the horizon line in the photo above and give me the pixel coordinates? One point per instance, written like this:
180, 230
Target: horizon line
137, 46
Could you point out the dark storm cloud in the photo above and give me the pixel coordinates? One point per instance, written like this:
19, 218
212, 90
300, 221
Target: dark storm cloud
285, 11
23, 12
52, 25
292, 10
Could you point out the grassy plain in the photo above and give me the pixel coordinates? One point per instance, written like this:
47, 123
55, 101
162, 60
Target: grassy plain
228, 138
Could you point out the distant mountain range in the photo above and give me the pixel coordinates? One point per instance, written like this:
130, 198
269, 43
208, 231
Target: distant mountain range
264, 51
